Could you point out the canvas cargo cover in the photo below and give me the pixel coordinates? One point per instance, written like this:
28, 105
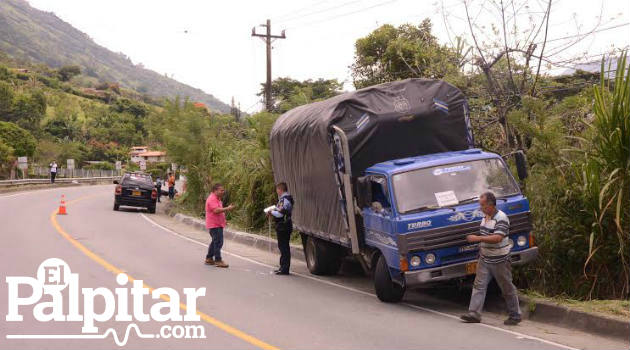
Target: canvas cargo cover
383, 122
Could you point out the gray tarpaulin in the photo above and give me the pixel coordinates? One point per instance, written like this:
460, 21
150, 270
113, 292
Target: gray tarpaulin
383, 122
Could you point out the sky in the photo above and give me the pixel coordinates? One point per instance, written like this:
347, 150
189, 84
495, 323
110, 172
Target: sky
208, 44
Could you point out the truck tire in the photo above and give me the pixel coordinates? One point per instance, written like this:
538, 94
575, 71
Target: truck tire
386, 290
151, 210
322, 258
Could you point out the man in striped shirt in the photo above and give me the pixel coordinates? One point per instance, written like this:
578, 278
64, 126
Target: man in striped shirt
494, 261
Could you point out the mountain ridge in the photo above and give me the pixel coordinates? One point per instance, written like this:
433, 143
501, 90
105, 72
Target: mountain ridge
30, 34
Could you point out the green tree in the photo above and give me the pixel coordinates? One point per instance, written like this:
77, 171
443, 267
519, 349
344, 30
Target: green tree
68, 72
66, 121
6, 100
107, 126
64, 126
605, 175
28, 110
288, 93
5, 74
22, 142
391, 53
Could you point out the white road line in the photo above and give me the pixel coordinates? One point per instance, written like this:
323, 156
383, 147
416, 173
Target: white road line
517, 334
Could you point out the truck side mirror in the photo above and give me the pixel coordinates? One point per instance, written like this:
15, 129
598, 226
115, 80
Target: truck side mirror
364, 192
521, 164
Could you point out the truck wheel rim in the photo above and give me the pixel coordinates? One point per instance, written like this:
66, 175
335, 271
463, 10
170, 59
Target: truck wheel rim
310, 250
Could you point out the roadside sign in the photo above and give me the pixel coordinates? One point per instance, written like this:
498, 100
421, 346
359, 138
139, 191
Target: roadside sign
70, 164
143, 165
22, 163
118, 165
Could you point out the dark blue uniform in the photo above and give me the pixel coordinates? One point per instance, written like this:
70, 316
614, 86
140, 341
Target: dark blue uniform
284, 227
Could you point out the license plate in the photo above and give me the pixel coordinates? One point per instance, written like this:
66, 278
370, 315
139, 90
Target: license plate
471, 268
136, 193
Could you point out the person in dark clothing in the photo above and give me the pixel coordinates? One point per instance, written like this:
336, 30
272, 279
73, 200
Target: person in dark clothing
158, 187
284, 226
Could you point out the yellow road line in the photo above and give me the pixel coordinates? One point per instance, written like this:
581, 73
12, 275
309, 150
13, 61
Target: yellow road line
115, 270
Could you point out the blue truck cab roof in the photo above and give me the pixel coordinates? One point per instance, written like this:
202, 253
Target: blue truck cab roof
396, 166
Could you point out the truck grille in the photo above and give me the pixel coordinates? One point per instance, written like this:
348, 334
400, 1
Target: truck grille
450, 236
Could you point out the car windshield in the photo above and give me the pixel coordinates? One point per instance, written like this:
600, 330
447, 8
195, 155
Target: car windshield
451, 184
137, 179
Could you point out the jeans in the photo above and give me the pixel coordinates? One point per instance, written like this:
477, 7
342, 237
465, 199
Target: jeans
52, 177
283, 231
502, 273
214, 249
171, 192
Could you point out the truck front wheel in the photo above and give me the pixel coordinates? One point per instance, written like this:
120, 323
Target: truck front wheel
322, 258
386, 290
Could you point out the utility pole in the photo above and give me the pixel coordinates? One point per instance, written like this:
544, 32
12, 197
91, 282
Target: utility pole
267, 38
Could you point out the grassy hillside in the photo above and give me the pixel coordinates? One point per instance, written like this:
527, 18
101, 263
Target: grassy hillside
30, 34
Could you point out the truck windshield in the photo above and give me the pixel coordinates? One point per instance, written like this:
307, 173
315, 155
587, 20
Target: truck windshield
451, 184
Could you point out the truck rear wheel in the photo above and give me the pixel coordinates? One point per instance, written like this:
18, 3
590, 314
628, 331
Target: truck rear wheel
386, 290
322, 258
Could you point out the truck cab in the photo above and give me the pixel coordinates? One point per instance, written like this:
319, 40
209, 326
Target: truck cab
417, 212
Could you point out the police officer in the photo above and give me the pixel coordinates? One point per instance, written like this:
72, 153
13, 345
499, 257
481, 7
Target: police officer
284, 226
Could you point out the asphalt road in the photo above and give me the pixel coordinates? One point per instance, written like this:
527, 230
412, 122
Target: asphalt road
244, 307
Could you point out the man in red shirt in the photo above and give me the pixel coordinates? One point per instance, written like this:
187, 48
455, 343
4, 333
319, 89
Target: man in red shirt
215, 222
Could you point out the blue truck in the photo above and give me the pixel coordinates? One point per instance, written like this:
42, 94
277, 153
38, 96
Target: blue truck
390, 176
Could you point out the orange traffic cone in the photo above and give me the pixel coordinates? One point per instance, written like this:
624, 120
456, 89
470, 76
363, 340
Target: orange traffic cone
62, 206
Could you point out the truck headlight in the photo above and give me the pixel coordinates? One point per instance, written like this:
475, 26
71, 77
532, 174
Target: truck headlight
415, 261
521, 241
511, 242
429, 258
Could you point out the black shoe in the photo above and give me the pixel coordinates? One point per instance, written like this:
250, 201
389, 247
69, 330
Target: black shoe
280, 272
512, 321
469, 318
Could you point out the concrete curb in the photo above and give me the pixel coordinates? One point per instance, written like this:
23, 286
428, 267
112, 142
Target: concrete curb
539, 311
549, 312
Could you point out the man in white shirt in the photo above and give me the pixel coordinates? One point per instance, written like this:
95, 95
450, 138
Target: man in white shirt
53, 171
494, 262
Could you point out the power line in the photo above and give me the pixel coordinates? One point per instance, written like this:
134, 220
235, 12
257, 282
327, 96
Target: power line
588, 33
281, 17
290, 19
346, 14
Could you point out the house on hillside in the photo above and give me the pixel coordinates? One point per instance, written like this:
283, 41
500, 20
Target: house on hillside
135, 152
153, 156
142, 153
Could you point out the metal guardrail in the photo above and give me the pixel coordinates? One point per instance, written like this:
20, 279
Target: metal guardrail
9, 183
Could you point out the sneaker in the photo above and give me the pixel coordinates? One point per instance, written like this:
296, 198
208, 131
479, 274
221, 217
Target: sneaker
469, 318
209, 261
512, 321
220, 263
280, 272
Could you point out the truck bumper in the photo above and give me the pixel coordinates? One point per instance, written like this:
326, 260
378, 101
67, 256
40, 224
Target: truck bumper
444, 273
